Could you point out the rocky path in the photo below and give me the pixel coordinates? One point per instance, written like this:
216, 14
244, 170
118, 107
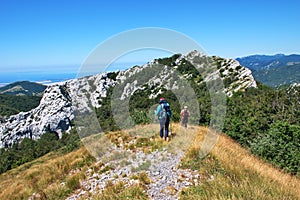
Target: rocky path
166, 180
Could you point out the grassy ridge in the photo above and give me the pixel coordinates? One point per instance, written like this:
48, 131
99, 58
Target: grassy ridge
228, 172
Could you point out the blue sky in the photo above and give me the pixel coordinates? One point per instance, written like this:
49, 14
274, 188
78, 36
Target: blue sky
64, 32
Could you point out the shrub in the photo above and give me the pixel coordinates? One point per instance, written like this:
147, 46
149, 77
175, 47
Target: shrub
280, 146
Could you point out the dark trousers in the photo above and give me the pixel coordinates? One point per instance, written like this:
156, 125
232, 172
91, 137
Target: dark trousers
184, 122
164, 126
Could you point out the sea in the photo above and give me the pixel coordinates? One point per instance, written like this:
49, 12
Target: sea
48, 75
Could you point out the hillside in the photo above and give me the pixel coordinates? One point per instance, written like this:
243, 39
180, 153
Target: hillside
12, 105
141, 166
23, 88
274, 70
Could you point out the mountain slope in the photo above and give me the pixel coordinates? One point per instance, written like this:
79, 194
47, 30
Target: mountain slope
12, 105
274, 70
228, 172
240, 175
59, 102
23, 88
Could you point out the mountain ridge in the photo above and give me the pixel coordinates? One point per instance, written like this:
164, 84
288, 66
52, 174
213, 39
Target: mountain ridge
56, 110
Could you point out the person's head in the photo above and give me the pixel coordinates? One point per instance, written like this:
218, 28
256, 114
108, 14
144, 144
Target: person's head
161, 100
185, 107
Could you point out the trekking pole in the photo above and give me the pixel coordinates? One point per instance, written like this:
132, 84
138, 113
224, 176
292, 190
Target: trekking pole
170, 127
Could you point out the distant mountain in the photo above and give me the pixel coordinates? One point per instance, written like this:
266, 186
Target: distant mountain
23, 88
273, 70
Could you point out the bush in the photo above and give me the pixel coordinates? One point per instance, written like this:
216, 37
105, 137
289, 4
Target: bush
280, 146
267, 121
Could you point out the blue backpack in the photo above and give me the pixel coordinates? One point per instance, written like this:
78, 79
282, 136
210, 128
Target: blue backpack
165, 111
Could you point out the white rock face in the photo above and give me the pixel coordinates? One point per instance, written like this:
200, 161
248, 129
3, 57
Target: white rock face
53, 114
244, 78
60, 101
56, 109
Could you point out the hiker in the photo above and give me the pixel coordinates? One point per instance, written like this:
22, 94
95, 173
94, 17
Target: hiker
185, 113
164, 113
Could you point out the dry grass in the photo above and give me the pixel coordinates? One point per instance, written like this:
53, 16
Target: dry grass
231, 154
231, 172
55, 176
44, 176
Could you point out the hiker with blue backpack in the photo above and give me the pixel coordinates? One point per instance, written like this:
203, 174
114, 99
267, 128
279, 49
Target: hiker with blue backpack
164, 113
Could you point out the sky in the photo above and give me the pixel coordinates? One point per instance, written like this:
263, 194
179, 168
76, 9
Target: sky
42, 34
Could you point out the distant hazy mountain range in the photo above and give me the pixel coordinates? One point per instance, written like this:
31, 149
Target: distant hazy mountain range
23, 88
273, 70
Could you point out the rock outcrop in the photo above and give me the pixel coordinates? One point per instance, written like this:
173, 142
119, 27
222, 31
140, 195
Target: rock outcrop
56, 109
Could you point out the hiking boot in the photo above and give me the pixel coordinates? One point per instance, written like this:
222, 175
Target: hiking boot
167, 139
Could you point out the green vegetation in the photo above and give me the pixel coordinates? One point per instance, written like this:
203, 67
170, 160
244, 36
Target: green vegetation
10, 104
105, 115
281, 146
267, 121
29, 149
